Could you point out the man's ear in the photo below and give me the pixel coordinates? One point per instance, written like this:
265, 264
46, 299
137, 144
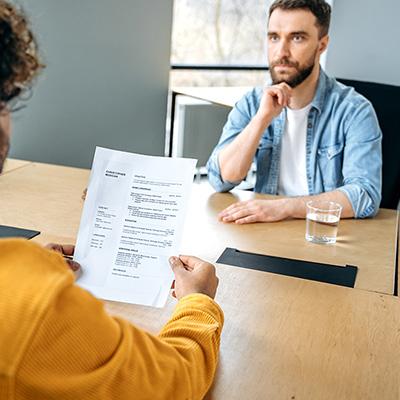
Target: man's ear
323, 43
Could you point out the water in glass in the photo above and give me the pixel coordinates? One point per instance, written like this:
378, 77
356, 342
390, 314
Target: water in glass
322, 228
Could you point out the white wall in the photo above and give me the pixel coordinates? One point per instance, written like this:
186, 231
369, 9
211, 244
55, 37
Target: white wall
365, 41
106, 80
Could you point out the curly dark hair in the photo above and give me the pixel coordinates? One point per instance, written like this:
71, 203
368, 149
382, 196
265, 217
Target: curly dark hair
19, 58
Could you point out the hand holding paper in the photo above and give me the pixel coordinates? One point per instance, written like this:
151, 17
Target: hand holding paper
193, 275
132, 222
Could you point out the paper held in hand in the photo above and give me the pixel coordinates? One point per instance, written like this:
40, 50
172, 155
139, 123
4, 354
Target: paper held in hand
132, 222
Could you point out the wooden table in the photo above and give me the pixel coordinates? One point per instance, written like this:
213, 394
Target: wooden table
13, 164
48, 198
369, 244
43, 197
398, 254
284, 338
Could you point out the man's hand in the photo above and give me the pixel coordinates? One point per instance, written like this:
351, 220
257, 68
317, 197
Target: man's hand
274, 99
193, 275
67, 251
246, 212
237, 156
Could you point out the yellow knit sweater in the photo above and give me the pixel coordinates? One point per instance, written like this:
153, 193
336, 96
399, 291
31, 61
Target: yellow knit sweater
57, 342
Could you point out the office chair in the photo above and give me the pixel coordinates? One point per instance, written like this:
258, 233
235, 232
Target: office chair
386, 101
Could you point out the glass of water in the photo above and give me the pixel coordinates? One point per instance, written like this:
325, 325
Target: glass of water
322, 221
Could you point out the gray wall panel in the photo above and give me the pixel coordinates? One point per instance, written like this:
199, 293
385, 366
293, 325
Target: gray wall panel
106, 80
365, 41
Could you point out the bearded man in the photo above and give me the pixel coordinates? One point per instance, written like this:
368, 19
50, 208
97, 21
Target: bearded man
311, 137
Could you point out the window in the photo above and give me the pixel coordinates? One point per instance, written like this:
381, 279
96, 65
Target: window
220, 33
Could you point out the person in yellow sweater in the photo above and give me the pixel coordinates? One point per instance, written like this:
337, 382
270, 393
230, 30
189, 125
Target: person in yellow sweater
58, 342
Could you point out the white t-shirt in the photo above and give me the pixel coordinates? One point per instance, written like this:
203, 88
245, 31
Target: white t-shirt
292, 171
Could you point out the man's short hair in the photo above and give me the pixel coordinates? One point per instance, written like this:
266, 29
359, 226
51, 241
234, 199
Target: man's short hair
19, 60
320, 8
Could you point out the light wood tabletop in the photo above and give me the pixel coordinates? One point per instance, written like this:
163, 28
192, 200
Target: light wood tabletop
48, 198
398, 254
369, 244
12, 164
284, 338
43, 197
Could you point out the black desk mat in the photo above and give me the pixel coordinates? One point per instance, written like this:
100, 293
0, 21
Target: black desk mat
12, 232
334, 274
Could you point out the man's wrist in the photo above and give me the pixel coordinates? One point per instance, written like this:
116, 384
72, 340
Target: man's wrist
263, 119
294, 207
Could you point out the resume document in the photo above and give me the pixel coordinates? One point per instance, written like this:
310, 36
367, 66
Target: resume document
132, 222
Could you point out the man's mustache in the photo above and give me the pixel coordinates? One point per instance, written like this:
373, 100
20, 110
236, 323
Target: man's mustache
285, 61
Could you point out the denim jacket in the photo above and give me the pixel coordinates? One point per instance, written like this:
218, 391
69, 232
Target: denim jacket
343, 146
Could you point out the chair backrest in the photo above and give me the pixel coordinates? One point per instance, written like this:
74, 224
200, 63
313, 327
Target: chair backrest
386, 102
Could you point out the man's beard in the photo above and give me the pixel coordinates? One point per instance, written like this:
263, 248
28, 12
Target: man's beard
299, 77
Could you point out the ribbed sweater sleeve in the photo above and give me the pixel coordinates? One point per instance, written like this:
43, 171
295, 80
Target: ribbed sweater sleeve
78, 351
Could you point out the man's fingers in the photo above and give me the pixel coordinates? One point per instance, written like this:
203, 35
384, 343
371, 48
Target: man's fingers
281, 98
238, 215
247, 220
234, 205
230, 212
285, 98
286, 92
233, 208
254, 211
238, 210
249, 211
283, 95
286, 87
278, 94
